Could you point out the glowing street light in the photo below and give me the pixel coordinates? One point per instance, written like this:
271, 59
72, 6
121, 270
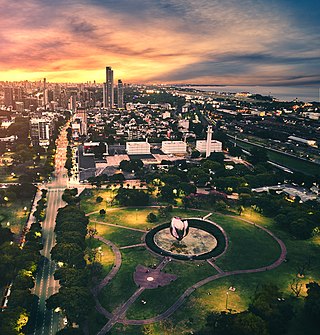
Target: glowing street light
227, 298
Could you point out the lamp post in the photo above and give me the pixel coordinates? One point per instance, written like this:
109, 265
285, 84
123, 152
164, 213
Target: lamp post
227, 298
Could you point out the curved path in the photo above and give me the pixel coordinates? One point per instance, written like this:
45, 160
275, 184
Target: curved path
187, 293
207, 280
106, 280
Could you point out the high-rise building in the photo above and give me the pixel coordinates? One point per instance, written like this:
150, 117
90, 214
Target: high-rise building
120, 94
8, 96
72, 104
45, 92
82, 117
17, 94
108, 89
40, 131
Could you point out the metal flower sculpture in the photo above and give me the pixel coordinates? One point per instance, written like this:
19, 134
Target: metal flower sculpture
179, 229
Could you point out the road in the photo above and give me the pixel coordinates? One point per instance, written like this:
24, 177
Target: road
48, 322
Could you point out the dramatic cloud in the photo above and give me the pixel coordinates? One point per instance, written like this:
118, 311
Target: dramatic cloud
199, 41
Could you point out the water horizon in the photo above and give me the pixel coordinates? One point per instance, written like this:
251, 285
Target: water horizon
282, 93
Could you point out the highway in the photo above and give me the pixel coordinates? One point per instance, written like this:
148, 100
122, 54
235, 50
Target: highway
48, 322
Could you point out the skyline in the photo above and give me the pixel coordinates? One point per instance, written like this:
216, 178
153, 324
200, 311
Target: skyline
175, 41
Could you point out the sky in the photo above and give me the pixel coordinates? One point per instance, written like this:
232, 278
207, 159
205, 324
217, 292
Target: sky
224, 42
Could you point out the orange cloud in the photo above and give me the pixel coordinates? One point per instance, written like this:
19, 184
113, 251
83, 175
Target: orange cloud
75, 40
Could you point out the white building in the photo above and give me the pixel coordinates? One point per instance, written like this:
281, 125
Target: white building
166, 115
174, 147
40, 131
138, 148
89, 148
184, 125
215, 146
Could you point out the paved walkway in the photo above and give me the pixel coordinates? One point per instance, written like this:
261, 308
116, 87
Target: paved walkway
133, 246
119, 314
212, 263
205, 217
207, 280
115, 268
121, 311
108, 278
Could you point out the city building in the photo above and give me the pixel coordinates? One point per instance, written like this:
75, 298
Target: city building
19, 106
184, 125
8, 96
82, 117
120, 94
94, 148
215, 146
138, 148
174, 147
208, 145
108, 89
40, 131
72, 104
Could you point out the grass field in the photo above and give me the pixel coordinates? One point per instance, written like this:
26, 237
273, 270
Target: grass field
122, 286
15, 214
249, 248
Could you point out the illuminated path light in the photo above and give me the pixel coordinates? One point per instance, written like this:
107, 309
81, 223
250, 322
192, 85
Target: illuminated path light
143, 280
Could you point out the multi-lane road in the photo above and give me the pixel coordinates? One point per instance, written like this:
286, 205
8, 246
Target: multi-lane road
48, 322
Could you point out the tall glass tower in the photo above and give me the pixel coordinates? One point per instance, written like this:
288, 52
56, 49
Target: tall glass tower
120, 94
108, 89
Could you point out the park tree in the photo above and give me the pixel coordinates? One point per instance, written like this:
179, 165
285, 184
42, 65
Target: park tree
187, 188
68, 253
151, 217
312, 301
69, 277
258, 155
132, 197
217, 157
75, 301
6, 235
198, 176
235, 151
247, 323
276, 312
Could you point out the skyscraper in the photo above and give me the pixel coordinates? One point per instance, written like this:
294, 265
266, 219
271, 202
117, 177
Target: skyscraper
8, 96
120, 94
108, 90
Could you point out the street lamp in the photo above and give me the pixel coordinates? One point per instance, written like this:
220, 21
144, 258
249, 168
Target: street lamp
25, 210
227, 298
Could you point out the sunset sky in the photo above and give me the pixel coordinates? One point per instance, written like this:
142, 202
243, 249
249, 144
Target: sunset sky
253, 42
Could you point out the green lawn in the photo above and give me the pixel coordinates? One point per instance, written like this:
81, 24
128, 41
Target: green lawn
160, 299
137, 217
122, 286
89, 203
249, 247
14, 214
120, 237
